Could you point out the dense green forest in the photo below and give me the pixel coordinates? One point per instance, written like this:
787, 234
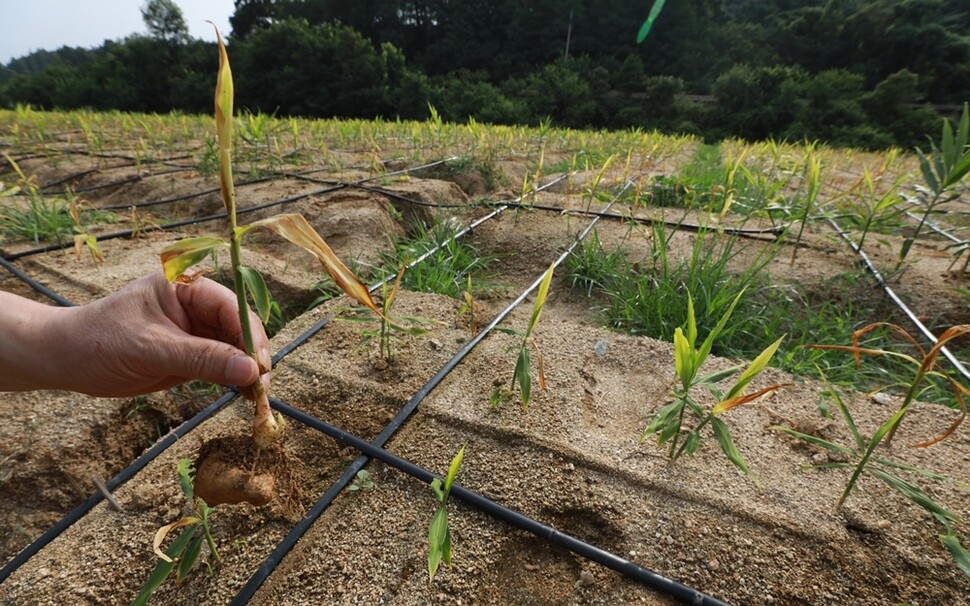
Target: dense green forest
864, 73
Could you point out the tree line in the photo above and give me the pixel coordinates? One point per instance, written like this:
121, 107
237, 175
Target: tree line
860, 73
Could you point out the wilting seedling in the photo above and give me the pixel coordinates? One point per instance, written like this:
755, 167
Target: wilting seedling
522, 375
688, 359
82, 238
860, 456
469, 307
184, 551
179, 257
439, 535
388, 327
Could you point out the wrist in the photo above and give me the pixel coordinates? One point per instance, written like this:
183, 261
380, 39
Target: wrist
31, 343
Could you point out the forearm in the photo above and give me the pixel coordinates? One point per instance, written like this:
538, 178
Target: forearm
31, 342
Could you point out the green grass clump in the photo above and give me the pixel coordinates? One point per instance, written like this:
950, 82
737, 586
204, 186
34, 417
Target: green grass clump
41, 220
446, 270
650, 297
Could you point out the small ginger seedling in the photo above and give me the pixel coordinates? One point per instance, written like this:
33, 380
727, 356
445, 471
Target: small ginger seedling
861, 457
688, 359
439, 535
522, 375
184, 551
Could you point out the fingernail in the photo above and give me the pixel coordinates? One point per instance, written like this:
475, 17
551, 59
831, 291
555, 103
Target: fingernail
239, 370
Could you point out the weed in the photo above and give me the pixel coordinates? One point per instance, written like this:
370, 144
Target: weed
137, 405
447, 262
666, 191
704, 179
43, 220
592, 267
184, 551
327, 290
688, 359
651, 298
361, 481
209, 161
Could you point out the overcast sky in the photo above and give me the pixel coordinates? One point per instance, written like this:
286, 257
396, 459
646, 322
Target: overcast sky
29, 25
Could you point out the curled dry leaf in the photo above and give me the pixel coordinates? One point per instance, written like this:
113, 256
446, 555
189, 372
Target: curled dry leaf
726, 405
297, 229
162, 532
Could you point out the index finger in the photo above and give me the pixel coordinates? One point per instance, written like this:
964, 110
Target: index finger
214, 313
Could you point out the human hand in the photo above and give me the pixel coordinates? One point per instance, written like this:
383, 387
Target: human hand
148, 336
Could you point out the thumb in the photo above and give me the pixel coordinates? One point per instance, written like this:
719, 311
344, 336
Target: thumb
213, 361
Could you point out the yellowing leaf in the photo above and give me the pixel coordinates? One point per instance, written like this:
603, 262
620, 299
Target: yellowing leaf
298, 230
726, 405
683, 357
223, 104
929, 361
540, 299
178, 257
453, 469
757, 365
82, 240
857, 335
162, 532
958, 391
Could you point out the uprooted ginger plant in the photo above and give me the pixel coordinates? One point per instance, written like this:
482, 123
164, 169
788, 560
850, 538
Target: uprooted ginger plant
182, 255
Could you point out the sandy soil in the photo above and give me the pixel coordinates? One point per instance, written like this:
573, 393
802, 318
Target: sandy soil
574, 460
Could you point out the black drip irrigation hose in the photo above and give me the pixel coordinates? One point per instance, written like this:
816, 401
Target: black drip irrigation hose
177, 224
776, 232
629, 569
78, 512
374, 449
37, 286
130, 162
871, 268
127, 180
183, 197
70, 178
